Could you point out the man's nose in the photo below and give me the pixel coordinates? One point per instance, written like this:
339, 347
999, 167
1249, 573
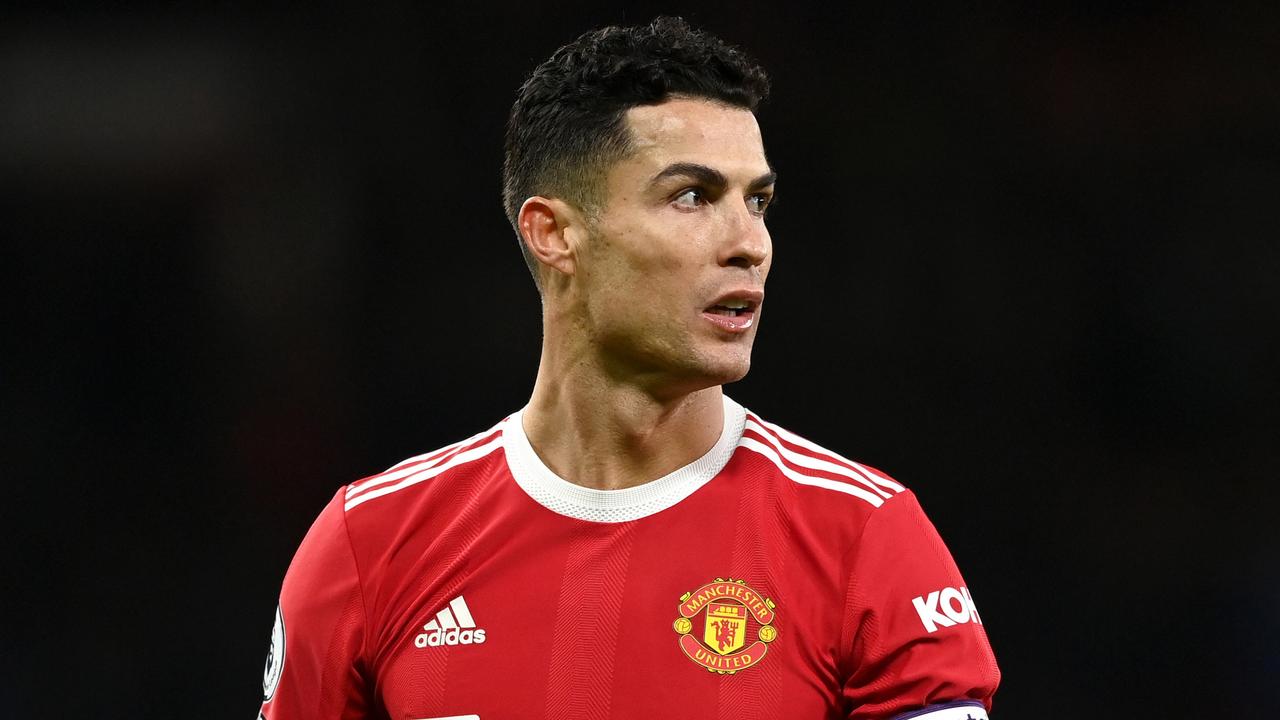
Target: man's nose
747, 243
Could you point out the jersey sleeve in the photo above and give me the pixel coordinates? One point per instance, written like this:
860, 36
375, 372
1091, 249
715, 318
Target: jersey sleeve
315, 668
916, 645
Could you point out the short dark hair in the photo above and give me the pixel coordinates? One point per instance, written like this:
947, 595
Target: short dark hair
567, 124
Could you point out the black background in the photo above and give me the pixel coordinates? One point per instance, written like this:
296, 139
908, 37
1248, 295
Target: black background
1025, 260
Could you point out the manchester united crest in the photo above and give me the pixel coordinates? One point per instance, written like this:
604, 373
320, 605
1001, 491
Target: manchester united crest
737, 625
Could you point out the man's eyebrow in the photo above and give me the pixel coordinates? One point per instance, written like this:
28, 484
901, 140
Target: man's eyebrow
763, 181
701, 173
709, 176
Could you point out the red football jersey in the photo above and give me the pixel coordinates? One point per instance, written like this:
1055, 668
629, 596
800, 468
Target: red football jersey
770, 578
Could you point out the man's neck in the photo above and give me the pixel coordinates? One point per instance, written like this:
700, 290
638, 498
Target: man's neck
608, 435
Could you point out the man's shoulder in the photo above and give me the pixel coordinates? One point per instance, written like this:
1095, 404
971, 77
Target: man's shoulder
821, 475
401, 486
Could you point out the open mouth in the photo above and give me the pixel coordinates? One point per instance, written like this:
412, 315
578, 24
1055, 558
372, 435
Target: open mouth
731, 308
733, 315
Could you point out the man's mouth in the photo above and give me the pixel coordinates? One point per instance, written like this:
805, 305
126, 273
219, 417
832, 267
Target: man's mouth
736, 312
731, 308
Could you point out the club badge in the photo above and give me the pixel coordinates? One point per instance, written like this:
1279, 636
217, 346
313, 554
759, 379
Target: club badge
735, 622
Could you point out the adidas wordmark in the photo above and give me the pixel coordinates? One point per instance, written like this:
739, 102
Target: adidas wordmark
451, 626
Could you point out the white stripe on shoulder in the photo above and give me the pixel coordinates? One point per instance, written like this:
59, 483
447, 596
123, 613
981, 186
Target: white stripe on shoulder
772, 455
878, 478
461, 458
793, 438
413, 465
813, 463
439, 451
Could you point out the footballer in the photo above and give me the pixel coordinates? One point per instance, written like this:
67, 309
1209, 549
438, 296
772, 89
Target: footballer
632, 543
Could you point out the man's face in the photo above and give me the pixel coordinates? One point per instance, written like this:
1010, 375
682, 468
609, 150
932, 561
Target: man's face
672, 278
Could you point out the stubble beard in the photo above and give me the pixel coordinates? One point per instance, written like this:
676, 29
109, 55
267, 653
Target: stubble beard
676, 365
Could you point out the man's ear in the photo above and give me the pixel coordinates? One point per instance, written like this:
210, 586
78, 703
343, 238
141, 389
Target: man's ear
551, 229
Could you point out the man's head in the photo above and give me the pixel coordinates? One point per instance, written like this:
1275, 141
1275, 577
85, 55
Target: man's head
637, 180
568, 123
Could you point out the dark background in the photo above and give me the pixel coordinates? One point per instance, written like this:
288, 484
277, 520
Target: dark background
1026, 261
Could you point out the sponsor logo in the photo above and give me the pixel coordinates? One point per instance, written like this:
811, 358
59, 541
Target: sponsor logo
451, 626
945, 608
275, 658
730, 612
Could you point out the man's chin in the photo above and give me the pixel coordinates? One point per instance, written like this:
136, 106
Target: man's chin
722, 371
737, 372
674, 375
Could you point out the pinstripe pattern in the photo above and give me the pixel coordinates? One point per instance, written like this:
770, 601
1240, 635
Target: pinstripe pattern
452, 574
587, 616
749, 695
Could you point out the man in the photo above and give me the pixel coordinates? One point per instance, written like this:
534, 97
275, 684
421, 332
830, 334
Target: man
632, 543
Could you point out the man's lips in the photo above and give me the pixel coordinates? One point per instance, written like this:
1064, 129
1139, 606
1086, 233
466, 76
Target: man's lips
735, 311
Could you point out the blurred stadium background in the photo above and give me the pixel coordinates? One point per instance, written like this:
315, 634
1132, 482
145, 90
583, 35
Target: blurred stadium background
1026, 261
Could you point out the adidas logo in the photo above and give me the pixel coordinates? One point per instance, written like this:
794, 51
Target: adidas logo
451, 626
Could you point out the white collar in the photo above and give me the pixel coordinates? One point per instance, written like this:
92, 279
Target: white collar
609, 506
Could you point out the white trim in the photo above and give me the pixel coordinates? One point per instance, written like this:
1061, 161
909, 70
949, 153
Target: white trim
829, 484
461, 458
878, 478
441, 450
813, 463
399, 470
608, 506
796, 439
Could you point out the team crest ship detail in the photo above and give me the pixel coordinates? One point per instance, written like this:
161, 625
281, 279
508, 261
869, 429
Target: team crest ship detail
730, 611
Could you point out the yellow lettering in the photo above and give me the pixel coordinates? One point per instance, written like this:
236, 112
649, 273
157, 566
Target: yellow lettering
709, 660
696, 604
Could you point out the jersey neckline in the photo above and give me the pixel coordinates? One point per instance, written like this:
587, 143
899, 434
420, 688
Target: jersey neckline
560, 496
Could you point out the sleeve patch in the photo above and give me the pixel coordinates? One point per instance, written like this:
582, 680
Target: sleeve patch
964, 710
275, 658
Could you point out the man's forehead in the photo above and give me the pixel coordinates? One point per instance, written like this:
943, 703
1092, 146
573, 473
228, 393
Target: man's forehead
695, 130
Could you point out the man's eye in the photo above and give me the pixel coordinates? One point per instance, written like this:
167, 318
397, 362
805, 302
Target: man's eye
689, 198
758, 203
